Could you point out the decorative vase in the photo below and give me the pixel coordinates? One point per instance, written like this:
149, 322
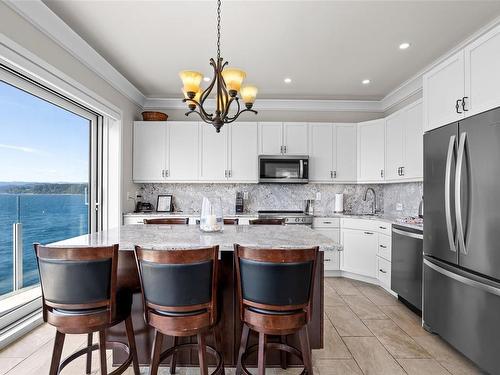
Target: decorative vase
211, 219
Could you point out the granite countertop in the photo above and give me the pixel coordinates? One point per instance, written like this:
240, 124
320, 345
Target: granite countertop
379, 217
187, 214
190, 236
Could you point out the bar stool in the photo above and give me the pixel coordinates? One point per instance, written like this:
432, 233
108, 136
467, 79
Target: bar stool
275, 288
168, 220
79, 295
179, 293
267, 222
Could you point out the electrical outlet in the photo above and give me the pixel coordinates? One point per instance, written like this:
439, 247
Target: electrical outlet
318, 196
399, 206
245, 195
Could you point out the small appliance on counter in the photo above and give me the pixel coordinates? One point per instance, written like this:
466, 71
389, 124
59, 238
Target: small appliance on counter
339, 203
239, 203
309, 207
211, 218
141, 206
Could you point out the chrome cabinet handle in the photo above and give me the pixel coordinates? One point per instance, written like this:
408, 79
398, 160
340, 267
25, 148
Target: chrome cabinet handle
383, 247
230, 173
382, 227
463, 104
402, 171
457, 106
334, 174
281, 149
225, 173
163, 173
368, 232
381, 270
382, 173
447, 186
284, 147
458, 192
328, 260
331, 174
327, 222
399, 171
167, 173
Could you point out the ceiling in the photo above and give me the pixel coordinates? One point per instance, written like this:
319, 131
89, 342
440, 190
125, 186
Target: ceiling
326, 47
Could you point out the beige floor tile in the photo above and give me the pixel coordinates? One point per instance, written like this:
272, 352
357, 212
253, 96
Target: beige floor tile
29, 343
334, 347
337, 367
422, 367
406, 319
379, 296
342, 286
359, 283
331, 297
364, 308
346, 322
395, 340
372, 357
8, 363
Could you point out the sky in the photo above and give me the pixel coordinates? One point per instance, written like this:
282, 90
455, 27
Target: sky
40, 142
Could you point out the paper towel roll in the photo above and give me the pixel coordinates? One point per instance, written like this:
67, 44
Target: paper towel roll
339, 203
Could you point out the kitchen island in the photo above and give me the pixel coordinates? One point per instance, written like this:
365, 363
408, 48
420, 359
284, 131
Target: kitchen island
169, 237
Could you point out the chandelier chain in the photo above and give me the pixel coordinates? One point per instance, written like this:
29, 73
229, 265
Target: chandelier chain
218, 29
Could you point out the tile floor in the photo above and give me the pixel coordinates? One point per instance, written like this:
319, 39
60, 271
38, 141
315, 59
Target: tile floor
367, 331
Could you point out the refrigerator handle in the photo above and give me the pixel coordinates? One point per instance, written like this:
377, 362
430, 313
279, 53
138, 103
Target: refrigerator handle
458, 192
447, 187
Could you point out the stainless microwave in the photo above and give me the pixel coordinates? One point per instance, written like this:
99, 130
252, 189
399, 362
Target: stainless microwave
283, 169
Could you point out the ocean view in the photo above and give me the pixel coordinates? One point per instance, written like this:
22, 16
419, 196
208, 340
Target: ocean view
45, 218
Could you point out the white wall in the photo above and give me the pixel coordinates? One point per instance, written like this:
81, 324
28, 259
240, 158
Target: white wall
22, 32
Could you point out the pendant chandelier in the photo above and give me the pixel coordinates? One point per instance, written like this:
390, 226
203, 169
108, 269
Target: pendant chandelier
226, 81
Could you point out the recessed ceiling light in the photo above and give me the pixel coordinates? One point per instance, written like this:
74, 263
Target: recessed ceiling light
404, 45
287, 80
365, 81
206, 79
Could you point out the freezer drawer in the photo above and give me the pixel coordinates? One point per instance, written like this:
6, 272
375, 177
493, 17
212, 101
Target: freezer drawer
464, 310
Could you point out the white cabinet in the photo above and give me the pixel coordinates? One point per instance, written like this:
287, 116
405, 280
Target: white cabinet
182, 151
384, 273
404, 144
482, 73
243, 148
213, 153
329, 227
149, 151
276, 138
332, 152
371, 151
360, 252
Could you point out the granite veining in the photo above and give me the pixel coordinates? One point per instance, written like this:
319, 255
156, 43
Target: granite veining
168, 237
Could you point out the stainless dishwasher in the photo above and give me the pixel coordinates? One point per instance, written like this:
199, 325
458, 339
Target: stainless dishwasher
406, 266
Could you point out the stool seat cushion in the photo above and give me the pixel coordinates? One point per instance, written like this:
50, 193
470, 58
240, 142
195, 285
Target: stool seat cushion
180, 313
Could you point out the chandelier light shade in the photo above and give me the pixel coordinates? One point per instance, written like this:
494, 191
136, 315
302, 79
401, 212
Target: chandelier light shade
226, 84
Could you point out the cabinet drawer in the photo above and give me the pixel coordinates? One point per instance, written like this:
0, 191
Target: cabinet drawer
331, 260
384, 228
384, 247
326, 222
361, 224
128, 220
384, 272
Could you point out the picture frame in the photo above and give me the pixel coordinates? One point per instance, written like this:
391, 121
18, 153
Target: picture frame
164, 203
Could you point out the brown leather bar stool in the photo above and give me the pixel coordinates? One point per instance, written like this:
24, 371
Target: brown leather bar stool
168, 220
275, 288
267, 222
79, 295
234, 221
179, 293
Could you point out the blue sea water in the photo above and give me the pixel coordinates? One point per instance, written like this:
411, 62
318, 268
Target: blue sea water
44, 219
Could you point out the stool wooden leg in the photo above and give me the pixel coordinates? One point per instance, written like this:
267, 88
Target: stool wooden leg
262, 353
131, 342
243, 347
88, 367
218, 345
155, 353
56, 353
173, 360
102, 352
202, 354
283, 361
306, 350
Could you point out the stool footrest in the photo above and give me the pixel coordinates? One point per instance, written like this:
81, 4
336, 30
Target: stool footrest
167, 353
271, 345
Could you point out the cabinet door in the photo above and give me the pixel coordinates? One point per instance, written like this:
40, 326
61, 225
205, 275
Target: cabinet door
360, 252
482, 73
213, 153
243, 148
443, 86
321, 152
413, 142
345, 151
270, 138
394, 135
149, 151
295, 138
331, 258
371, 151
183, 146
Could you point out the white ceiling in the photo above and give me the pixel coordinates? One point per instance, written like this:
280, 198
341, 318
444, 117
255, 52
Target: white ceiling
326, 47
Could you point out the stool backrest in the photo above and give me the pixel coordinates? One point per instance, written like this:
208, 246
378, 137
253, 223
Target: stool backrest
275, 279
78, 278
168, 220
267, 222
178, 280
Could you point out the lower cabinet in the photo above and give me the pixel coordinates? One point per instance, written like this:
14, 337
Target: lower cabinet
329, 227
360, 252
384, 273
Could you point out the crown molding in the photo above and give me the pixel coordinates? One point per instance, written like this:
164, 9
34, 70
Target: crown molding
40, 16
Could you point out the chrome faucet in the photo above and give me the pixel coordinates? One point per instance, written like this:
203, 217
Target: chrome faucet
374, 202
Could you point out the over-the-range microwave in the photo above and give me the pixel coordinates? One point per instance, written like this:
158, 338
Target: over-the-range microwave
284, 169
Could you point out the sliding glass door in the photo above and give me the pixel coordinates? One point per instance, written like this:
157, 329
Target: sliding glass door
50, 158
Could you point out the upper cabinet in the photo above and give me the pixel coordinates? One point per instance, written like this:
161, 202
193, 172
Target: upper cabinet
371, 151
464, 84
277, 138
149, 151
346, 153
404, 144
243, 151
213, 153
182, 151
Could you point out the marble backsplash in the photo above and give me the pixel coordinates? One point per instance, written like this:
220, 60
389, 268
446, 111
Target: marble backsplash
408, 194
188, 197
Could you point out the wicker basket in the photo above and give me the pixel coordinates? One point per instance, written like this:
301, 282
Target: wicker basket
154, 116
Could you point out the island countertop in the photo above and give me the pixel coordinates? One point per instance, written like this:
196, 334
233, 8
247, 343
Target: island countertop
190, 236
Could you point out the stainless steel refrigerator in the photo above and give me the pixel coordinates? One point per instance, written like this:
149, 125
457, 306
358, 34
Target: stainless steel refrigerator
461, 271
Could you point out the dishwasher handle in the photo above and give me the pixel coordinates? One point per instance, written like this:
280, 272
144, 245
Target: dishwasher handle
408, 234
